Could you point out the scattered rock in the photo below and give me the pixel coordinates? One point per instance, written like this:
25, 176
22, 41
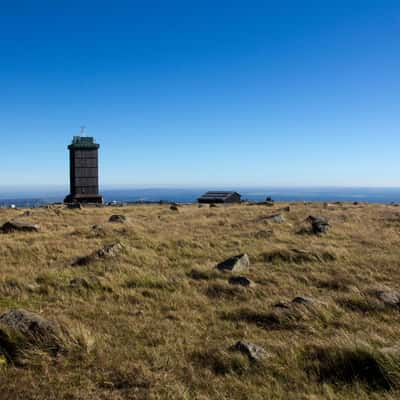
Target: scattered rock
174, 207
254, 352
318, 225
109, 250
240, 280
306, 301
212, 205
285, 209
278, 218
27, 213
235, 264
20, 329
117, 218
390, 298
98, 230
13, 226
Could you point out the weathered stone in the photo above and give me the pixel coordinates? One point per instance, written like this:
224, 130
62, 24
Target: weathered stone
98, 230
251, 350
118, 218
318, 225
306, 301
109, 250
21, 328
13, 226
240, 280
390, 298
277, 217
235, 264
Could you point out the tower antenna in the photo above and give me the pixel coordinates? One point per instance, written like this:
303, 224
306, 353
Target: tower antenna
83, 130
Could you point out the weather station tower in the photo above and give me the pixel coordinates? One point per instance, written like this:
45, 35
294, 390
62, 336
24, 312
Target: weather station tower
84, 170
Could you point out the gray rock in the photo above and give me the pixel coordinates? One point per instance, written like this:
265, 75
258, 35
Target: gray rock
118, 218
251, 350
277, 218
318, 225
237, 263
390, 298
109, 250
13, 226
306, 301
98, 230
240, 280
21, 328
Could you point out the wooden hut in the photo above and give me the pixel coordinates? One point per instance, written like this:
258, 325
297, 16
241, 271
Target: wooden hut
219, 197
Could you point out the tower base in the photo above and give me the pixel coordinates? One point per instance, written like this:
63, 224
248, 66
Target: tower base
84, 199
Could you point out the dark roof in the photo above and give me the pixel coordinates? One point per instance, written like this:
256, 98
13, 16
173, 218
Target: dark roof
83, 142
218, 195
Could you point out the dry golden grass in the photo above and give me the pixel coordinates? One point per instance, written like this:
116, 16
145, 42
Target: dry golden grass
158, 321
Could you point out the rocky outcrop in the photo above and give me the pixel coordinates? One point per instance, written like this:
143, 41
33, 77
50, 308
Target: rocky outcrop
277, 218
18, 226
251, 350
21, 329
237, 263
109, 250
117, 218
389, 297
318, 225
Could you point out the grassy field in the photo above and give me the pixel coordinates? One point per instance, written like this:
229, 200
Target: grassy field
155, 319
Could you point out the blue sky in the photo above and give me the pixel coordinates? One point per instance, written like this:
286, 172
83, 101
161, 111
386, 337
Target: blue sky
251, 93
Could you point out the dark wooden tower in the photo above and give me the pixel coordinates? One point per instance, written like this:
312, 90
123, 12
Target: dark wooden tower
84, 171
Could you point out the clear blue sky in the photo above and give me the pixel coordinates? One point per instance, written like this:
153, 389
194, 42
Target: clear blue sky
203, 92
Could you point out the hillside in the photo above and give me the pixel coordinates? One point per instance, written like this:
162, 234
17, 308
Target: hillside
136, 308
